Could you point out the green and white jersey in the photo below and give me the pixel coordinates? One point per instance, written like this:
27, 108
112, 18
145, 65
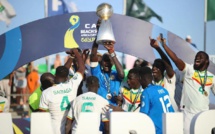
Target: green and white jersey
57, 100
88, 102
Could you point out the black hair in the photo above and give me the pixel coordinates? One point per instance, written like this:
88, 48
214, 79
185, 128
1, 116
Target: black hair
92, 81
144, 63
135, 71
47, 80
145, 72
137, 63
159, 63
62, 72
106, 57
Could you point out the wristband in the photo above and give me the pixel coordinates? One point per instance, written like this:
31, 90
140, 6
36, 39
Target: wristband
112, 54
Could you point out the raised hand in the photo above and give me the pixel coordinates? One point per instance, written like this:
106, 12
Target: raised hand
72, 52
85, 54
109, 45
153, 43
161, 40
98, 24
118, 99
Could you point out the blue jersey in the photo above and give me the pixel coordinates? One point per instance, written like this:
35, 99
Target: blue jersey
106, 80
154, 102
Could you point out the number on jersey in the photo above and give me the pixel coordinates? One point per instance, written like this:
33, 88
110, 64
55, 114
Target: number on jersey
87, 107
165, 102
65, 104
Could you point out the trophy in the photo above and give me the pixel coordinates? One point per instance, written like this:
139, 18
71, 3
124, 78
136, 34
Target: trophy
105, 32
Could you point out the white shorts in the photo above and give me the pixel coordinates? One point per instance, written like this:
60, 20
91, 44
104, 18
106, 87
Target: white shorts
21, 83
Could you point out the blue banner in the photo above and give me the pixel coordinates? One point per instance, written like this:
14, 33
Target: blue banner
46, 36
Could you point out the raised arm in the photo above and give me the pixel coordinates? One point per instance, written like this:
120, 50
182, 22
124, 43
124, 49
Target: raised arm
110, 47
69, 62
74, 53
93, 56
178, 62
169, 69
81, 66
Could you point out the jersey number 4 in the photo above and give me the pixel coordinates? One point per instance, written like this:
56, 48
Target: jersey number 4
65, 104
165, 102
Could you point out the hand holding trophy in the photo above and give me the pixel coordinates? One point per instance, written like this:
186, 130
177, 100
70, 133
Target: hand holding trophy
105, 32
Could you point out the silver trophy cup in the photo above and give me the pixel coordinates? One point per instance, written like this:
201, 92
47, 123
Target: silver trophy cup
105, 32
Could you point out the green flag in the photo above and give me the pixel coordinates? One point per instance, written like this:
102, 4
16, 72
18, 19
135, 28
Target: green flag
138, 9
210, 10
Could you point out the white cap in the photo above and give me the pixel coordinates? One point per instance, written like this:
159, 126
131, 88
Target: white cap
188, 37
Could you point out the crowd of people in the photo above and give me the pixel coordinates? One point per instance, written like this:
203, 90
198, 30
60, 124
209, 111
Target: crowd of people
19, 84
87, 83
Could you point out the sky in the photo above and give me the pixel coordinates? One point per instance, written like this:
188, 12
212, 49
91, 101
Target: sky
184, 17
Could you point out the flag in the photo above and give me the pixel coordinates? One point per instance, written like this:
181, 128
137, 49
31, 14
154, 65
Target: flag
70, 5
138, 9
210, 10
6, 11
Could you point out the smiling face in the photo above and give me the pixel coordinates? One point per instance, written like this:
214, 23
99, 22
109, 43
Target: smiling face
106, 63
156, 73
201, 61
158, 69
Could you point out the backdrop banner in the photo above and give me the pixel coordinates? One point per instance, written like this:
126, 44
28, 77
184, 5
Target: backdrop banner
44, 37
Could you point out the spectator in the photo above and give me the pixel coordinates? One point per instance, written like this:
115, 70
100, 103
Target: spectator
137, 63
33, 80
29, 68
154, 100
189, 40
57, 61
47, 80
21, 85
163, 73
196, 87
57, 98
87, 102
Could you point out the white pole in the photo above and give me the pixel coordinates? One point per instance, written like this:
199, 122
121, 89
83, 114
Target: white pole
205, 25
123, 55
124, 7
46, 15
46, 8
